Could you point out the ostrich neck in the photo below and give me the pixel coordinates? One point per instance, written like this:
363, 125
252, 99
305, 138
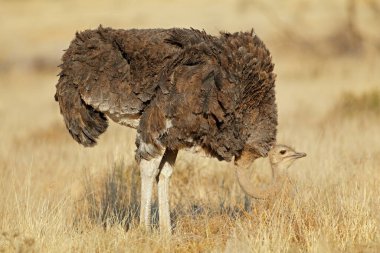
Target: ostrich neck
275, 170
255, 191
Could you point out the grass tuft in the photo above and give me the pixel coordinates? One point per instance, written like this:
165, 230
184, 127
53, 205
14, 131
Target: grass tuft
112, 200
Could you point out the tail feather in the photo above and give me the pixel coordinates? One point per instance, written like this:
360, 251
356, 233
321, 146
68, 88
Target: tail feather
84, 123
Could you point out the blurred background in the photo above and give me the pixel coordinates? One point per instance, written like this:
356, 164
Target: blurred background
34, 32
327, 60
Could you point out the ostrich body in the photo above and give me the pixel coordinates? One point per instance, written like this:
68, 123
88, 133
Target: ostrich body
180, 88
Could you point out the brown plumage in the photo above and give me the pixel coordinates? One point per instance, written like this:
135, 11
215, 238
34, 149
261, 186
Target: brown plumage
178, 87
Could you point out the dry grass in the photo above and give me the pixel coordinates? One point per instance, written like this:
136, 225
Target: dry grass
56, 196
354, 105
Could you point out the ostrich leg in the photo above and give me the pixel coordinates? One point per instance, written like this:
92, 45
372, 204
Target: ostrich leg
149, 171
166, 169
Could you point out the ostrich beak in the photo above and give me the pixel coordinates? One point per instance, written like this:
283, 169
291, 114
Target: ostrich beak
299, 155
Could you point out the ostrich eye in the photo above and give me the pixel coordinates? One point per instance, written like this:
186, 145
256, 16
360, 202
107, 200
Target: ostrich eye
282, 152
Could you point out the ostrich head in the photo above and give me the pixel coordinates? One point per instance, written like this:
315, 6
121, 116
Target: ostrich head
281, 157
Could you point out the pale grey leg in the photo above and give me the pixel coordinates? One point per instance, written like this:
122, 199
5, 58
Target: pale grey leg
149, 171
163, 189
247, 203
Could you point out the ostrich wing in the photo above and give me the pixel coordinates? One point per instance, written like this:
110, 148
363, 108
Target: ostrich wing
96, 64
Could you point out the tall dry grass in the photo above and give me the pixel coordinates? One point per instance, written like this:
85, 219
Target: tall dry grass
56, 196
59, 197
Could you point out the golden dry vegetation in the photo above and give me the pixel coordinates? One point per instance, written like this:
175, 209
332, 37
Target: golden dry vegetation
56, 196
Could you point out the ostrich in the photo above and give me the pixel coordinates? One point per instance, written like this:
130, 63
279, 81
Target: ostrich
180, 88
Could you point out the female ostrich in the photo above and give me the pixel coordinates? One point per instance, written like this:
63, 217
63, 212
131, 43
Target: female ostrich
179, 88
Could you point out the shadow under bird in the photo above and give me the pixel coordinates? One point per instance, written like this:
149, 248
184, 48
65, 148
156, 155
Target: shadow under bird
180, 88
